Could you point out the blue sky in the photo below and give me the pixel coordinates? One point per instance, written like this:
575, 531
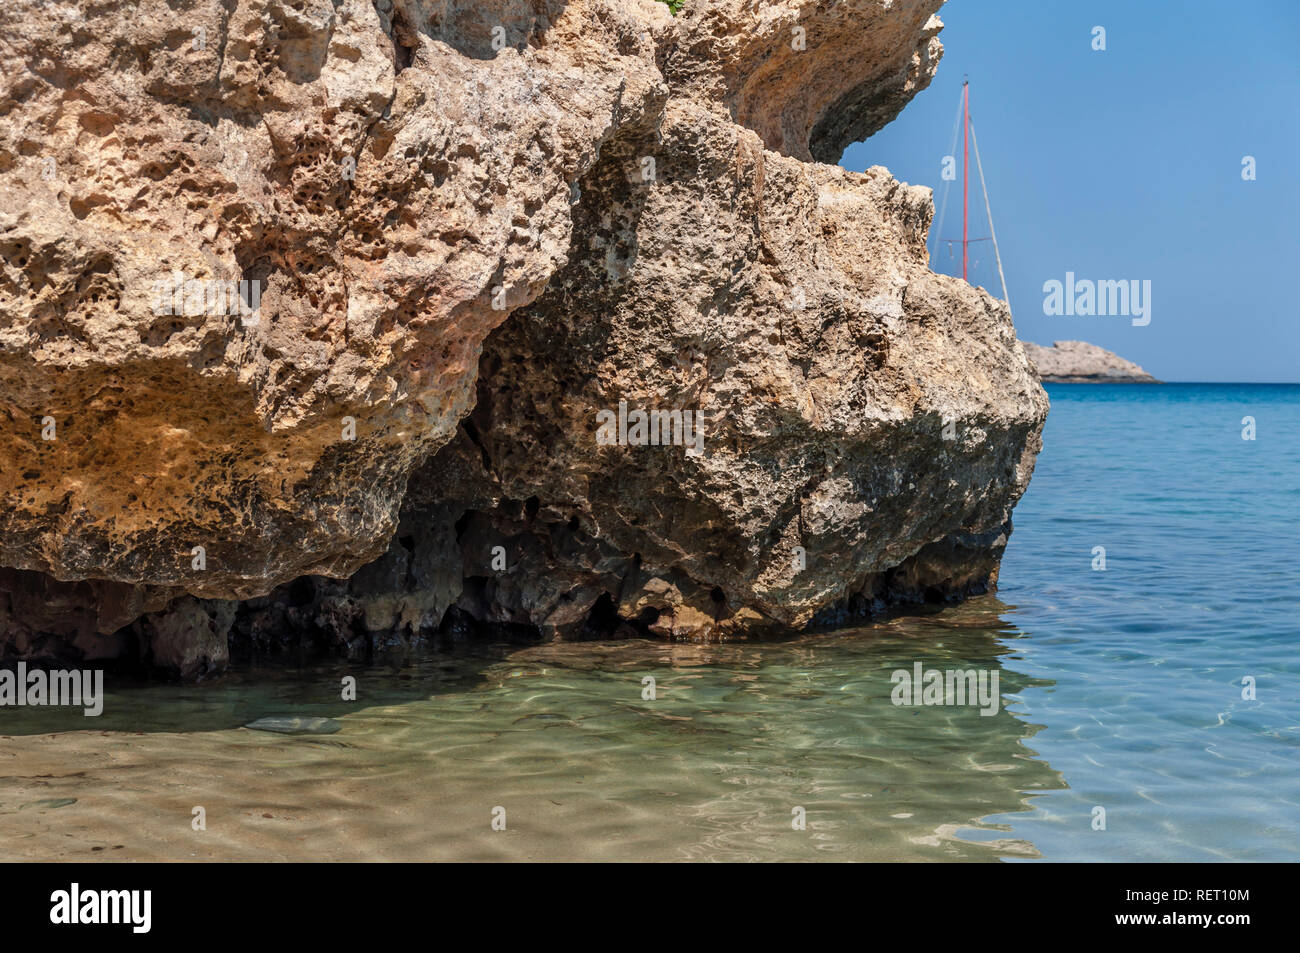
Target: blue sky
1126, 164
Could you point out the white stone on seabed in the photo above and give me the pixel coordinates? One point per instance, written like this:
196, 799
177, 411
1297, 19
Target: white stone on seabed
293, 725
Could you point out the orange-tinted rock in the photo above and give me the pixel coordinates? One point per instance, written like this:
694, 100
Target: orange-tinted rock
470, 230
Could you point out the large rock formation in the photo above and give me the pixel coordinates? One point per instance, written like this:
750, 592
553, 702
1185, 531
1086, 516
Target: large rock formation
478, 230
1081, 362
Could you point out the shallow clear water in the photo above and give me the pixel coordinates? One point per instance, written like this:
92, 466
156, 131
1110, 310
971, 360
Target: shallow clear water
1201, 588
1120, 689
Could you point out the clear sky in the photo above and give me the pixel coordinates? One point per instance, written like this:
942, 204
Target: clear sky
1127, 164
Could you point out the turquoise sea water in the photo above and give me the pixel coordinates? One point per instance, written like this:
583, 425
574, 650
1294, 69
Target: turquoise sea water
1202, 587
1121, 689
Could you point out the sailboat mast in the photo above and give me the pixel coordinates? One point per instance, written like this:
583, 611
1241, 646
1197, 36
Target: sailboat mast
965, 172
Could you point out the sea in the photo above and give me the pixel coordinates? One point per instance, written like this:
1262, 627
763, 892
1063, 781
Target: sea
1145, 638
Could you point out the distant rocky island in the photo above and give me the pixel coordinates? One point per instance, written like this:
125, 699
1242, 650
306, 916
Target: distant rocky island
1081, 362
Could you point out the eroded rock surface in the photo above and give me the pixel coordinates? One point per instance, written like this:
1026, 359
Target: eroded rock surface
1081, 362
394, 184
477, 227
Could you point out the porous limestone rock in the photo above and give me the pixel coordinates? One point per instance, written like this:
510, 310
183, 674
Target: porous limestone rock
395, 185
477, 228
810, 77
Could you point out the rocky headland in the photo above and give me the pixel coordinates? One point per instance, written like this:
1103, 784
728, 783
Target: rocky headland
314, 316
1078, 362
